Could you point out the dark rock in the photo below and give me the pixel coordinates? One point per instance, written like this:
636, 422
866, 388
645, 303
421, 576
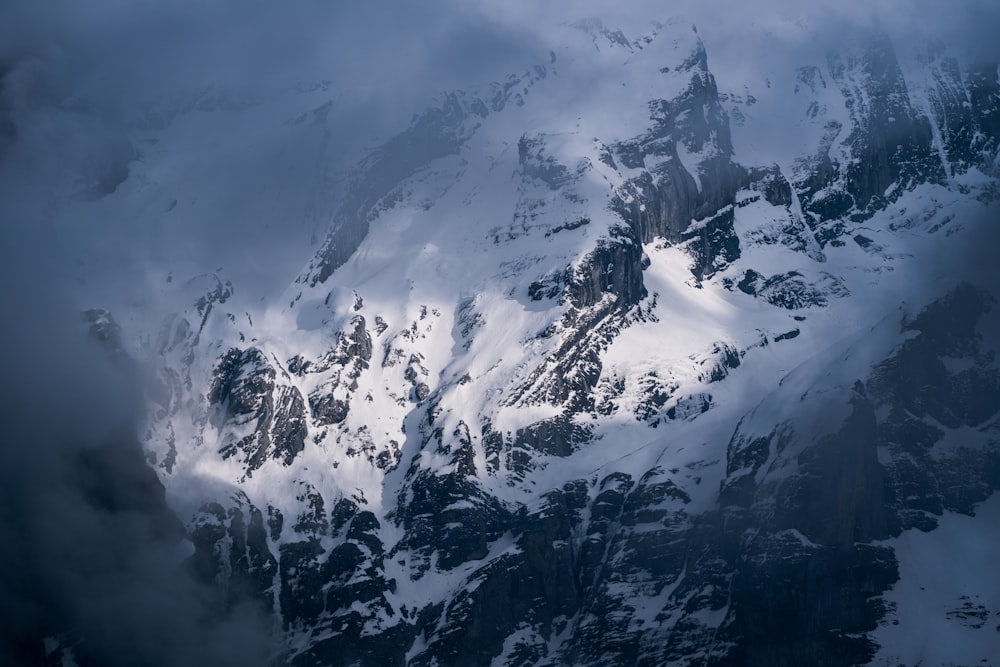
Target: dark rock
556, 436
788, 335
791, 290
343, 511
312, 520
839, 497
891, 143
531, 587
750, 282
713, 244
965, 107
613, 268
302, 599
664, 204
923, 397
328, 410
548, 287
243, 389
801, 605
275, 522
656, 393
451, 515
771, 182
245, 569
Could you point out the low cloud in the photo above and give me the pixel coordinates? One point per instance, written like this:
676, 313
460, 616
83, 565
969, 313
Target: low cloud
91, 557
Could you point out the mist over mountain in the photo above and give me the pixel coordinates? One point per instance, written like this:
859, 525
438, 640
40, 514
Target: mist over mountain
587, 334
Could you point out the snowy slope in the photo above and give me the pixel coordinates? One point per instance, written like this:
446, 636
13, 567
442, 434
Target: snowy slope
586, 355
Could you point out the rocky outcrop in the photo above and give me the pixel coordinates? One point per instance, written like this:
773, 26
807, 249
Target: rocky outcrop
889, 143
532, 585
613, 269
942, 379
536, 164
669, 200
966, 112
791, 290
329, 403
246, 399
788, 568
448, 518
231, 553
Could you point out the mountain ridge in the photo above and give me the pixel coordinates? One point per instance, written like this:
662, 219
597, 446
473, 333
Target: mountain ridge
612, 394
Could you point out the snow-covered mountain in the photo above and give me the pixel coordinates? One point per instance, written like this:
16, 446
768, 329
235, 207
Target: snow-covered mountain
613, 361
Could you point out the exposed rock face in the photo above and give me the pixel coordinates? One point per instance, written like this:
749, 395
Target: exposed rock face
926, 395
886, 150
966, 110
246, 568
612, 269
670, 202
790, 290
449, 519
244, 395
890, 141
330, 403
786, 571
